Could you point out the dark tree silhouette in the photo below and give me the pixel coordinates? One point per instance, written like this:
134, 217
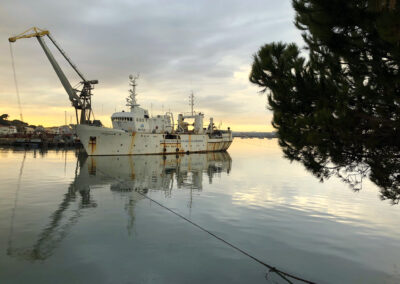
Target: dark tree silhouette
338, 111
3, 119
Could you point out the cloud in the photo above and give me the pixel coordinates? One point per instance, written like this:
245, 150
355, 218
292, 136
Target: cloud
176, 46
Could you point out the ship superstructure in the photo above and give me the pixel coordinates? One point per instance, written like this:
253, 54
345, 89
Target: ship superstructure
138, 119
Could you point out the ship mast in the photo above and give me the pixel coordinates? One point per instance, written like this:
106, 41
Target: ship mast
191, 101
131, 99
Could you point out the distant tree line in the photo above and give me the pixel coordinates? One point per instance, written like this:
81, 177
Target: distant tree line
4, 121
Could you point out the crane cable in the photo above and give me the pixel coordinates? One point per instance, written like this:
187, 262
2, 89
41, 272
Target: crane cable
21, 170
16, 82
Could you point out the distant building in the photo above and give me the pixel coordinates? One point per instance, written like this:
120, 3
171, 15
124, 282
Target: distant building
40, 129
29, 130
5, 130
65, 129
52, 130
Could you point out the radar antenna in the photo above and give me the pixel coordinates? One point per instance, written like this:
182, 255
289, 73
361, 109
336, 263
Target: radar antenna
131, 99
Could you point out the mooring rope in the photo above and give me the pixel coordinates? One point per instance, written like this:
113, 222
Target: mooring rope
271, 268
284, 275
15, 81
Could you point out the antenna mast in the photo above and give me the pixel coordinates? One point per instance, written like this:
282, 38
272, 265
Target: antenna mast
131, 99
191, 101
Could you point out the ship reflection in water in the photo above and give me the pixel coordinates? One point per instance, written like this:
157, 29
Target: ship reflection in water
155, 172
131, 177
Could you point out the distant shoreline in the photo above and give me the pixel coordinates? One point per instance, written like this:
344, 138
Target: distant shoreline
268, 135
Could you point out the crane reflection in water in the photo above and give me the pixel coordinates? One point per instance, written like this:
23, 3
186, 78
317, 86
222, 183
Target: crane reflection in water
129, 176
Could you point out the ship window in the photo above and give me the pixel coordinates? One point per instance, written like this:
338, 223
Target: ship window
170, 136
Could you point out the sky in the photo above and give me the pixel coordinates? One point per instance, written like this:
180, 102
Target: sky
176, 46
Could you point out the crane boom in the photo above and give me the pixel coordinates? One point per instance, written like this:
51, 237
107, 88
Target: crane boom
64, 81
80, 102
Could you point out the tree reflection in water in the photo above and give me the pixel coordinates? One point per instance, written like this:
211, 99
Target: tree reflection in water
350, 161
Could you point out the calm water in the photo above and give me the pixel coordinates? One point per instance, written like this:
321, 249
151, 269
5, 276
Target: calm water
65, 218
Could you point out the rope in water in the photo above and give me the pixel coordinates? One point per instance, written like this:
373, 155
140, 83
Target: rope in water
271, 268
16, 83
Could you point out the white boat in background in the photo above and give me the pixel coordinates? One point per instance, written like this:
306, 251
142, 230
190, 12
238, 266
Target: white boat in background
135, 132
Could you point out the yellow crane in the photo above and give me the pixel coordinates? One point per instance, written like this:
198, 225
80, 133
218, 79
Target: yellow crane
32, 32
80, 99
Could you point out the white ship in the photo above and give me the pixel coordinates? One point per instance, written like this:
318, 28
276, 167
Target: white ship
135, 132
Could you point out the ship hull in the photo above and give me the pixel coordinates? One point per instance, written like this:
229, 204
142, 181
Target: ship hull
99, 141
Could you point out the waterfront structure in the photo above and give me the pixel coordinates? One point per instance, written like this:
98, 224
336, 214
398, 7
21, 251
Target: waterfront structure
9, 129
29, 130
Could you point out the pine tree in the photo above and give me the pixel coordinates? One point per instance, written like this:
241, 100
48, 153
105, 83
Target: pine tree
338, 111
